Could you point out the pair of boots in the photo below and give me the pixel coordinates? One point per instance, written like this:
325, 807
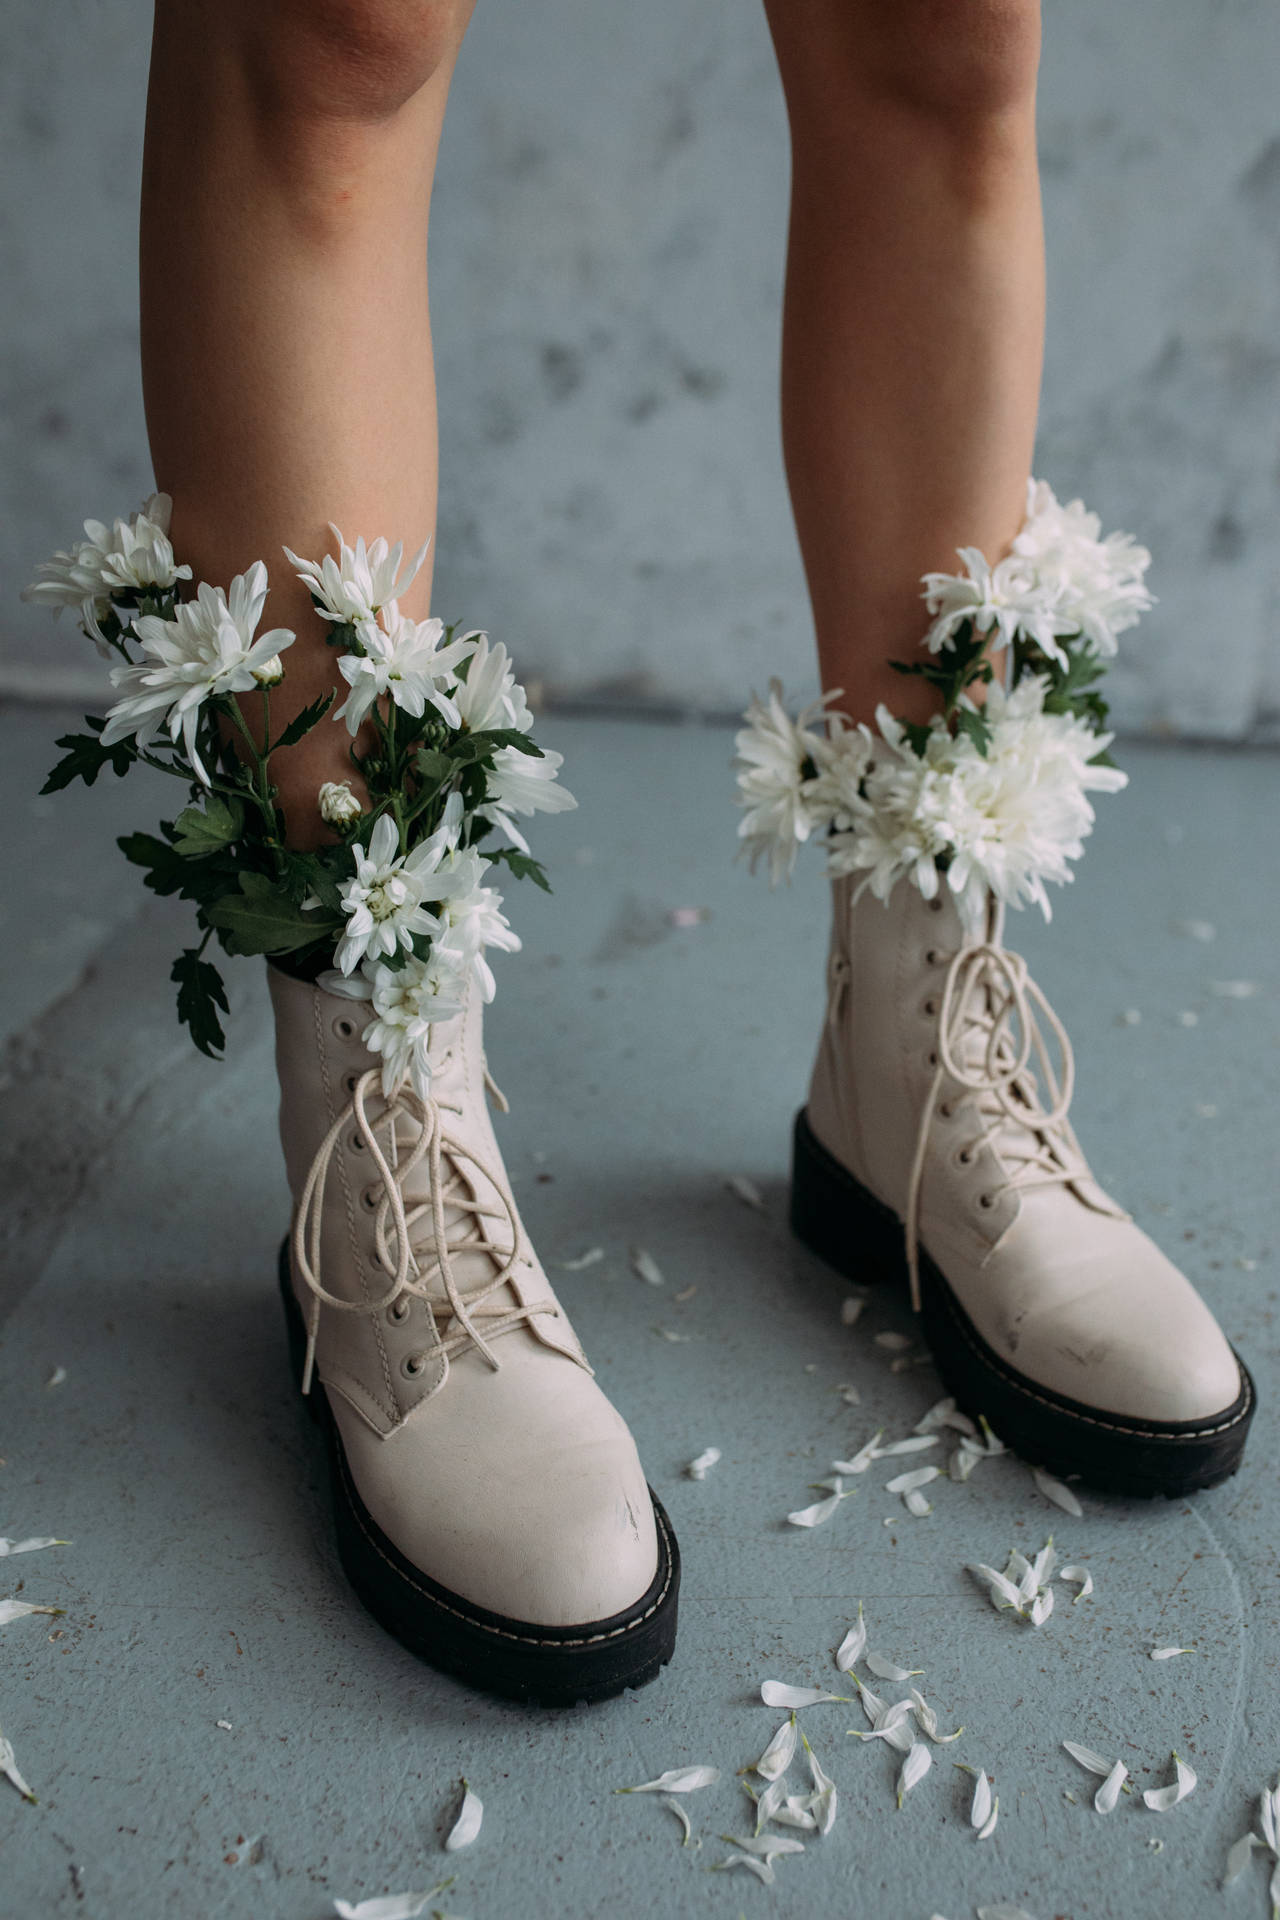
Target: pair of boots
491, 1510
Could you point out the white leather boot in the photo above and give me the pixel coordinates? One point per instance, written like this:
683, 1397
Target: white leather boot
491, 1511
936, 1136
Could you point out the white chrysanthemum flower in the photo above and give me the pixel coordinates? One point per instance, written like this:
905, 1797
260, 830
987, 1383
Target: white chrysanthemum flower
778, 763
338, 804
491, 697
361, 581
1008, 822
404, 661
1060, 581
130, 556
207, 649
384, 901
471, 917
523, 783
407, 1003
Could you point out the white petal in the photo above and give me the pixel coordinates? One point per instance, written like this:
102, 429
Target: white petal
1043, 1564
644, 1264
1238, 1857
467, 1825
1087, 1758
928, 1720
915, 1503
989, 1825
820, 1510
1160, 1799
57, 1377
677, 1780
390, 1906
1169, 1653
1078, 1576
587, 1259
889, 1669
853, 1645
914, 1768
1108, 1793
747, 1191
851, 1311
28, 1546
980, 1811
1004, 1913
699, 1469
1042, 1607
893, 1342
770, 1802
862, 1458
1060, 1495
915, 1477
823, 1799
224, 1724
1273, 1888
915, 1443
764, 1846
673, 1806
761, 1868
18, 1610
795, 1813
780, 1752
938, 1415
9, 1768
1267, 1819
775, 1693
1001, 1591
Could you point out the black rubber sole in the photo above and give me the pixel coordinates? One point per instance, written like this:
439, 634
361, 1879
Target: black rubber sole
862, 1239
521, 1660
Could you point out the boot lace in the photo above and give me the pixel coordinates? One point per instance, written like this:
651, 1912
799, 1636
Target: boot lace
989, 1034
415, 1240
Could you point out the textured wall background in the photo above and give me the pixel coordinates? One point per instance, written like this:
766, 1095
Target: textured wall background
606, 266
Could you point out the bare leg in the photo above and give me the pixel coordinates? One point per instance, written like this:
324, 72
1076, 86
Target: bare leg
287, 371
913, 327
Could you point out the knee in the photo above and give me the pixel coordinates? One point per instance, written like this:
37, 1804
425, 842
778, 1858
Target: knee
966, 59
354, 60
957, 62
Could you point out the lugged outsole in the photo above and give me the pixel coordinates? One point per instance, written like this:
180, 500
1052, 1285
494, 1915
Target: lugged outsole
520, 1660
862, 1239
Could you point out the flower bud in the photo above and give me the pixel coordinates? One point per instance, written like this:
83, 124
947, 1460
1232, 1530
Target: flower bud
270, 673
338, 804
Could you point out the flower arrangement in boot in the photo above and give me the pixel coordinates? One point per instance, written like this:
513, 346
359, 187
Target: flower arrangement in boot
991, 794
936, 1137
490, 1507
400, 908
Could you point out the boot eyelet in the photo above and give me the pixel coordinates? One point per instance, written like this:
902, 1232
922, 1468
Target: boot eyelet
930, 1008
344, 1028
935, 905
933, 958
965, 1159
369, 1200
931, 1059
413, 1364
349, 1082
946, 1111
399, 1310
986, 1201
356, 1144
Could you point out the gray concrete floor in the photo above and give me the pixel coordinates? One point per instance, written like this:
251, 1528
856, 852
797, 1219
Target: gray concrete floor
646, 1063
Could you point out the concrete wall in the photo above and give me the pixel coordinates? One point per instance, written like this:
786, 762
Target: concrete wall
606, 265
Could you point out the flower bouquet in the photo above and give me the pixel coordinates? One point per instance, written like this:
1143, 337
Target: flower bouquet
990, 797
398, 908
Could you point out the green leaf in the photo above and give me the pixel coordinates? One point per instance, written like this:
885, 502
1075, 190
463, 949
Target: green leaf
261, 918
917, 736
302, 723
306, 873
166, 870
200, 995
433, 767
85, 758
202, 831
973, 722
506, 737
522, 866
